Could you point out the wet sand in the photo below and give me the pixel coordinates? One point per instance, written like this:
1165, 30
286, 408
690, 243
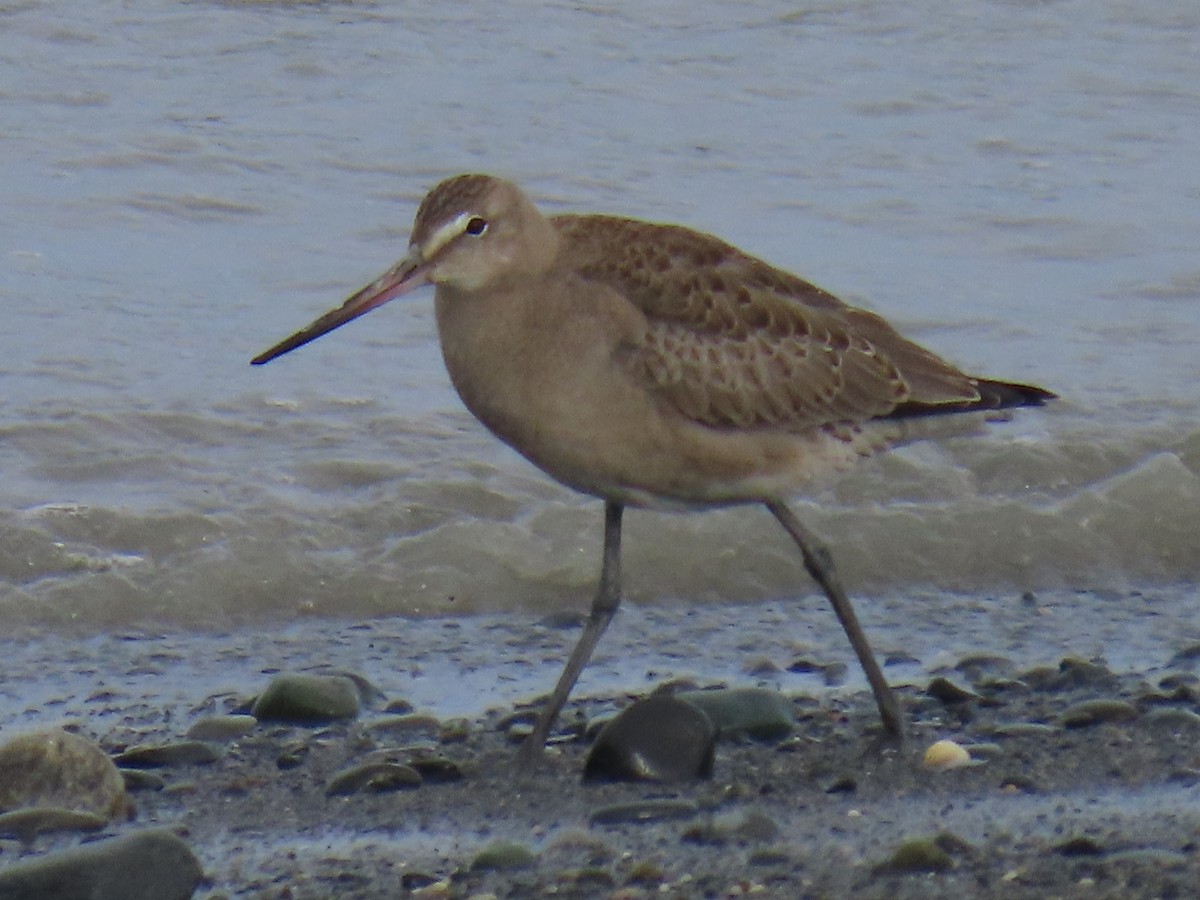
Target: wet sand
1062, 800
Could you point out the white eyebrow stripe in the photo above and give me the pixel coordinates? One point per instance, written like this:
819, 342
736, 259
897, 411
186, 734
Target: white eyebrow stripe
446, 233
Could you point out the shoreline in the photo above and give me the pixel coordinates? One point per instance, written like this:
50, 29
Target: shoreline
1104, 807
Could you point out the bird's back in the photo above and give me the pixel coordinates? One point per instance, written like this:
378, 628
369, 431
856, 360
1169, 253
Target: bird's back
733, 342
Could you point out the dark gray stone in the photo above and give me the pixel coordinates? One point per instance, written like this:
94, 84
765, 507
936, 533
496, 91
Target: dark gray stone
660, 738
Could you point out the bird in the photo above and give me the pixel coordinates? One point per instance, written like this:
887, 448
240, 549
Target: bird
652, 365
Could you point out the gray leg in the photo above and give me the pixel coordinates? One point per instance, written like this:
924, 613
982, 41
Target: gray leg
819, 564
608, 598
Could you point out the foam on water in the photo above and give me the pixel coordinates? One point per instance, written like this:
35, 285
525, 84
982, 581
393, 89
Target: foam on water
203, 521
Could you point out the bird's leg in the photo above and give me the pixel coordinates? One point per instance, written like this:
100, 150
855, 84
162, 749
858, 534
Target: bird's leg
819, 563
608, 598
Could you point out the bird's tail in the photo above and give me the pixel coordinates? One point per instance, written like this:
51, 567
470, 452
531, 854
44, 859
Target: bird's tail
992, 395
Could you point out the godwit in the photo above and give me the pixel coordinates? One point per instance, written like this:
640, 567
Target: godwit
652, 365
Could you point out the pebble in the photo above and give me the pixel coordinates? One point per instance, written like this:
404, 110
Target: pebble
407, 726
436, 769
145, 865
305, 699
1173, 717
981, 750
749, 827
142, 780
177, 753
920, 855
369, 695
1097, 712
980, 665
1019, 784
945, 690
503, 856
760, 665
424, 884
843, 784
1186, 658
54, 768
642, 812
373, 777
454, 731
1149, 858
1080, 845
1072, 672
660, 738
1177, 693
221, 728
27, 823
516, 730
1000, 685
805, 666
585, 881
1180, 680
755, 712
292, 755
945, 755
1024, 729
835, 674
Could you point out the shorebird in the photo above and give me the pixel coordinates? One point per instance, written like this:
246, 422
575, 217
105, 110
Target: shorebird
653, 365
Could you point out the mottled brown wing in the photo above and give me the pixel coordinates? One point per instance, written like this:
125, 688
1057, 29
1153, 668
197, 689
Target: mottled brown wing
733, 342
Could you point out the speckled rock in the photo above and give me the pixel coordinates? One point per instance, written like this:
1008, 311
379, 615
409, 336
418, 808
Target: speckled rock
54, 768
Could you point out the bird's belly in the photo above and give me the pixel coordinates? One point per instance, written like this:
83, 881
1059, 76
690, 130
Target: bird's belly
631, 451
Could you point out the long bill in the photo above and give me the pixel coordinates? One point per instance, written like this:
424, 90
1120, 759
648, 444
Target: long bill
407, 275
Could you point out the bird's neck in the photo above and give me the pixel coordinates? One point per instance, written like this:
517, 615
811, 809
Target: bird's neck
481, 333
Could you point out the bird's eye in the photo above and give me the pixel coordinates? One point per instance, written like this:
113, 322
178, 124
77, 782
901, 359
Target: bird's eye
476, 226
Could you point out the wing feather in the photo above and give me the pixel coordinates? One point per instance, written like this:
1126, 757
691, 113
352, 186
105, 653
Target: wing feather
732, 342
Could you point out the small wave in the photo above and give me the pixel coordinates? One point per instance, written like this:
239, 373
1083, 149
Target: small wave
210, 520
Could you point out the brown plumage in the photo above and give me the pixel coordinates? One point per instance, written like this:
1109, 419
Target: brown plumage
654, 365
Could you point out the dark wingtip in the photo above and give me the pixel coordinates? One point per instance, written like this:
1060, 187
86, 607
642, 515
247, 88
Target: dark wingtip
1007, 394
992, 395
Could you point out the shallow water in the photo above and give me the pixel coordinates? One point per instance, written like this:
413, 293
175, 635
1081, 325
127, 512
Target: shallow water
1013, 184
